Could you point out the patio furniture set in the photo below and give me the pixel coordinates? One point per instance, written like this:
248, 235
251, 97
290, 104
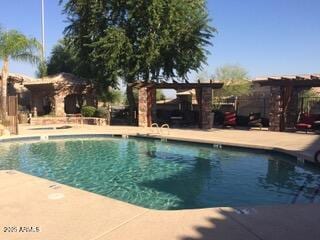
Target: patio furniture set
306, 122
231, 119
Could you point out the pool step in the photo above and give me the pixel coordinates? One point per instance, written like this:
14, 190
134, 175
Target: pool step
44, 138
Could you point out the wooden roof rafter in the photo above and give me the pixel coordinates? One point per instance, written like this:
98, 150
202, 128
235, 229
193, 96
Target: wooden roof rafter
176, 85
307, 81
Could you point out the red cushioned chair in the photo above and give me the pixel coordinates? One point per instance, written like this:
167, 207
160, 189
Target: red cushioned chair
306, 122
230, 119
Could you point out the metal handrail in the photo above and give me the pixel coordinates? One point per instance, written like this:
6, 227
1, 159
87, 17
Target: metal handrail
163, 126
155, 125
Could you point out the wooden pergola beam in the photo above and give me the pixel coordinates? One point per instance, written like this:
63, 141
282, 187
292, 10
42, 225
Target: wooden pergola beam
176, 85
306, 81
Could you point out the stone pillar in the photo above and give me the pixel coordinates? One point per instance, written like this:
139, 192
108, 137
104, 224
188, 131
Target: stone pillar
59, 106
275, 114
206, 108
146, 104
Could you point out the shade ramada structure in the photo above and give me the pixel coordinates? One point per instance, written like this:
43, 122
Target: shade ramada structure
284, 97
147, 99
62, 93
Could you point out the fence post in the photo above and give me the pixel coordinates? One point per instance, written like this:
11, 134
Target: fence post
264, 107
236, 105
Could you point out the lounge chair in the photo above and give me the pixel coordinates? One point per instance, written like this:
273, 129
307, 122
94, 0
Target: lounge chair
230, 119
255, 120
306, 122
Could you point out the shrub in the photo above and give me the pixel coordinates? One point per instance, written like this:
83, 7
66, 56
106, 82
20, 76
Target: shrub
88, 111
102, 112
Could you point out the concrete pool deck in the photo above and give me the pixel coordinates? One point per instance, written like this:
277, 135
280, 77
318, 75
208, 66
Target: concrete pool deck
62, 212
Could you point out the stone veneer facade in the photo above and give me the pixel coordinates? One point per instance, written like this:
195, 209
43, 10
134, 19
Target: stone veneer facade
146, 106
59, 94
59, 104
275, 114
206, 117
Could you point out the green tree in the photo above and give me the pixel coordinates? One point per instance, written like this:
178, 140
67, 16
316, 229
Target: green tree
204, 76
160, 95
137, 39
110, 96
15, 46
309, 94
42, 70
62, 59
235, 79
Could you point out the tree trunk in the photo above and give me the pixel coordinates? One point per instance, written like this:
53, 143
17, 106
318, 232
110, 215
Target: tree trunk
132, 105
4, 84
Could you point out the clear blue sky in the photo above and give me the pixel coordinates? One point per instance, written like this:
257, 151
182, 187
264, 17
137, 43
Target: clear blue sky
264, 36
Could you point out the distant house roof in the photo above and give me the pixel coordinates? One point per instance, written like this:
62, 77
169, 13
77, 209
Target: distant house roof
18, 78
66, 78
191, 93
303, 80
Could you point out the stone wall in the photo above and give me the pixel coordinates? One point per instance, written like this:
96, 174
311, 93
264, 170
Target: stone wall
37, 101
68, 120
59, 105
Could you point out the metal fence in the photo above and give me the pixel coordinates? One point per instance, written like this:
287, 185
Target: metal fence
121, 116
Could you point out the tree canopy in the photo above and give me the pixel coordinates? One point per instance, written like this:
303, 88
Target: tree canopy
16, 46
62, 59
235, 79
138, 39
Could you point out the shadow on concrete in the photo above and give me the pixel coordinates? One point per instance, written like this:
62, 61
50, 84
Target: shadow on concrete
294, 222
222, 225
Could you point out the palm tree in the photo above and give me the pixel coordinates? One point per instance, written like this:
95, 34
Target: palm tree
16, 46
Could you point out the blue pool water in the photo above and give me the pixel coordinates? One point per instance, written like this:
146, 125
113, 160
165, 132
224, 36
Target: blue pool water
167, 175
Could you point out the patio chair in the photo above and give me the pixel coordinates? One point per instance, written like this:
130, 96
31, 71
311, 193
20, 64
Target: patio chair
230, 119
255, 120
306, 122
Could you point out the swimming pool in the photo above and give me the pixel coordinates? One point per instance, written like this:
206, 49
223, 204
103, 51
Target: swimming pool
167, 175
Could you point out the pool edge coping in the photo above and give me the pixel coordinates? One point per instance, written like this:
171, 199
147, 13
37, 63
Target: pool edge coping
299, 155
